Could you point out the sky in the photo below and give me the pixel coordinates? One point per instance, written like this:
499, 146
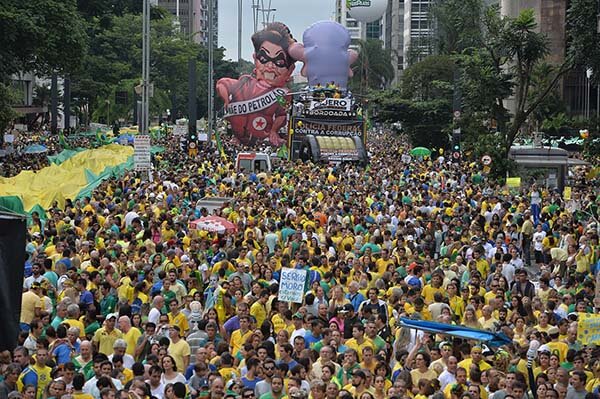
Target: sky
296, 14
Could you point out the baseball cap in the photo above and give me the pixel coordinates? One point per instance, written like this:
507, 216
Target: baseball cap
553, 330
298, 315
414, 282
348, 307
111, 316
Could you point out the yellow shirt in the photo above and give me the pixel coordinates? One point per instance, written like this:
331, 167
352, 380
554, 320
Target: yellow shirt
352, 343
278, 322
429, 291
237, 340
259, 312
131, 338
105, 340
43, 378
466, 364
179, 351
81, 326
559, 348
180, 321
30, 302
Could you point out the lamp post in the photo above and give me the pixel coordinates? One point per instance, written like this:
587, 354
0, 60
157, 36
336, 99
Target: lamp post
144, 114
210, 69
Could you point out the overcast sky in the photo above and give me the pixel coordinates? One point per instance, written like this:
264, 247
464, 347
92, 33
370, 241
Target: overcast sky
296, 14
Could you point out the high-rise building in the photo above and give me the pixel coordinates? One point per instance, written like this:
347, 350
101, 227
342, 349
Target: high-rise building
408, 32
358, 30
193, 17
551, 17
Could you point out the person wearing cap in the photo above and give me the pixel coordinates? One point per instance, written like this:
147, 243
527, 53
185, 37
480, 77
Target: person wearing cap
298, 324
105, 337
439, 365
555, 346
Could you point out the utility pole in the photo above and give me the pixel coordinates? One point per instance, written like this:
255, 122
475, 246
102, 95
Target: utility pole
211, 85
144, 117
239, 31
67, 103
54, 103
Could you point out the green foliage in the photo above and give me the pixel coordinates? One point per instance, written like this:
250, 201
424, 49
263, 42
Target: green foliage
459, 24
40, 35
373, 69
582, 35
7, 114
423, 121
429, 79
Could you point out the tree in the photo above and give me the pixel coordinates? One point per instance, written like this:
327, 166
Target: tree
373, 69
429, 79
37, 37
459, 24
503, 68
7, 114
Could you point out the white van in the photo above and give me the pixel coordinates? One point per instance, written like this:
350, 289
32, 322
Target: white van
253, 162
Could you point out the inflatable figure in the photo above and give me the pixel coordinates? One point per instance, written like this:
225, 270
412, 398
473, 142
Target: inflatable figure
325, 54
256, 105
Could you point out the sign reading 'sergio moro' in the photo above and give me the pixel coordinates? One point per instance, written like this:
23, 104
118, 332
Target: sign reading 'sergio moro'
291, 285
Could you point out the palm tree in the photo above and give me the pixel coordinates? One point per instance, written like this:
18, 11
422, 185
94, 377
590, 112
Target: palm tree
373, 70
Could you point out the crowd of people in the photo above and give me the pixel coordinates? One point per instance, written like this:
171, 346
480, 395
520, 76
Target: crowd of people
123, 299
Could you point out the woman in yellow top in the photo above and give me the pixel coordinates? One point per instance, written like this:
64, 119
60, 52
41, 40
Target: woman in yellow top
543, 325
520, 335
470, 319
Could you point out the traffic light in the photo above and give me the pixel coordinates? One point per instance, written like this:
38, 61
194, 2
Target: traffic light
192, 141
456, 148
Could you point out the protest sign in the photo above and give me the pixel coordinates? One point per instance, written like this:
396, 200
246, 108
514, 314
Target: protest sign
588, 328
291, 285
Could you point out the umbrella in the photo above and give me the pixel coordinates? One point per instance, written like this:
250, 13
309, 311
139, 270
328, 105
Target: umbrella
420, 152
125, 139
36, 149
213, 224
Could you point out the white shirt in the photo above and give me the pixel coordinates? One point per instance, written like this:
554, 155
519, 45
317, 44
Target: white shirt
446, 378
128, 360
157, 392
508, 271
154, 316
91, 388
538, 237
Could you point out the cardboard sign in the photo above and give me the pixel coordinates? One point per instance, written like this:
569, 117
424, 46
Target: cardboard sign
291, 285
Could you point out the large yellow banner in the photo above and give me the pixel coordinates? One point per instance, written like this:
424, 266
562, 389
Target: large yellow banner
588, 328
57, 182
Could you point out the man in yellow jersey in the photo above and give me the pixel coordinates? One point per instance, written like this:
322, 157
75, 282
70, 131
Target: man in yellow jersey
105, 337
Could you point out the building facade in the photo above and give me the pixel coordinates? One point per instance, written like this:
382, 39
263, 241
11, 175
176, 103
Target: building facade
408, 33
551, 16
359, 30
193, 17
